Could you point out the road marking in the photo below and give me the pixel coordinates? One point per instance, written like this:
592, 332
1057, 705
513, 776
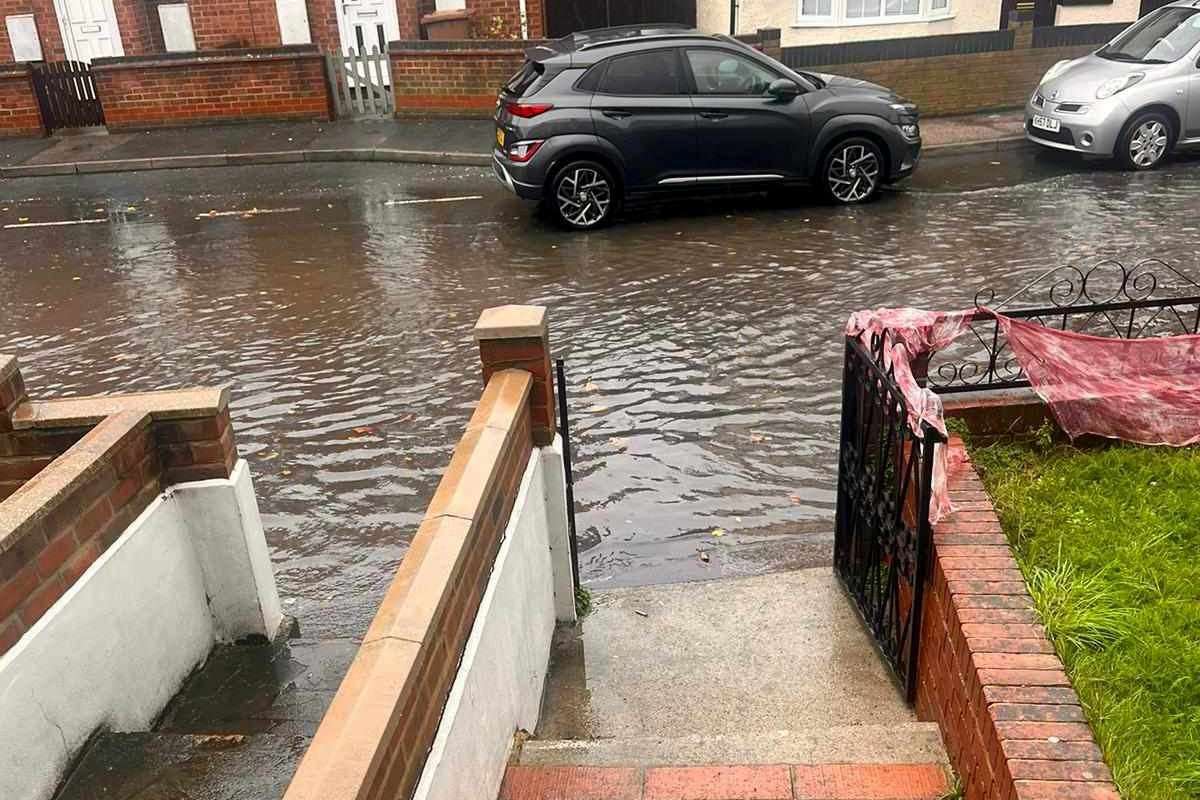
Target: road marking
246, 212
55, 224
434, 200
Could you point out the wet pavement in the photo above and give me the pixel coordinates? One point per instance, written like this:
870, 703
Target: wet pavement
702, 338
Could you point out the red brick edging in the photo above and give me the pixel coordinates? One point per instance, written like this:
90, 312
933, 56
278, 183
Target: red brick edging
987, 674
721, 782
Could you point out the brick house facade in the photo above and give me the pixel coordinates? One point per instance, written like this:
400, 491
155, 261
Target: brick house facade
134, 28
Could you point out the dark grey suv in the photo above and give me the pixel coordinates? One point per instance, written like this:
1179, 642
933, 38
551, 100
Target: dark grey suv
599, 116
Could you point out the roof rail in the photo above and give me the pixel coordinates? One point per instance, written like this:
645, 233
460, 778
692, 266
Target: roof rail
652, 38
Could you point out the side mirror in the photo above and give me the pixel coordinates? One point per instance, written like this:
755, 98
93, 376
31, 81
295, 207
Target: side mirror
783, 89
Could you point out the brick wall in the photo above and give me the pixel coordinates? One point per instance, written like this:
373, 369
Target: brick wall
281, 83
141, 32
963, 84
74, 474
323, 25
225, 24
987, 674
19, 112
454, 81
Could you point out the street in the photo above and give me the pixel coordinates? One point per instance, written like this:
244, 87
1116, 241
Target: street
702, 339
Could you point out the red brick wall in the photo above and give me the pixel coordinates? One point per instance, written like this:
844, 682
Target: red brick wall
123, 463
962, 84
987, 674
322, 23
451, 81
141, 32
222, 24
47, 25
19, 113
235, 87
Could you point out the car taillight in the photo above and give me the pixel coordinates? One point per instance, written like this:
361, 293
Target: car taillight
527, 110
523, 151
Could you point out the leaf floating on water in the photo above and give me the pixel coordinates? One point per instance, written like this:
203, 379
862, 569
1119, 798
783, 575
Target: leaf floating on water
598, 409
796, 499
758, 438
590, 387
640, 613
718, 532
704, 556
618, 443
362, 430
269, 456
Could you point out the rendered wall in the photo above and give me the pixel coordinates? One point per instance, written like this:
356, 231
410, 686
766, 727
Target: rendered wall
498, 688
1117, 11
112, 651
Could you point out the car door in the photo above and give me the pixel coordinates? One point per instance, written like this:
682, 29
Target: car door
741, 131
641, 106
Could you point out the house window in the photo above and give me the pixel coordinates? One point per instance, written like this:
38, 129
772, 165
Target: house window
868, 12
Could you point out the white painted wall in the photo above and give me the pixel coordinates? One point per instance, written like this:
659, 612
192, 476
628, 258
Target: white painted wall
1118, 11
498, 689
117, 646
966, 16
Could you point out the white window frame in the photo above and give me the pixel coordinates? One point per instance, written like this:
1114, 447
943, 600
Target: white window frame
838, 16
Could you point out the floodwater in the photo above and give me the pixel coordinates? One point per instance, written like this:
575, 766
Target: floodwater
702, 340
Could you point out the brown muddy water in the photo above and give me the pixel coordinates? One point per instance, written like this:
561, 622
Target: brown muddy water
702, 340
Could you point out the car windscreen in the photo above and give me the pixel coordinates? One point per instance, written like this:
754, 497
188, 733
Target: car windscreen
1163, 37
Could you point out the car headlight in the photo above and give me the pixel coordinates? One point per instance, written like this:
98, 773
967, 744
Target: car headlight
911, 130
1115, 85
1056, 70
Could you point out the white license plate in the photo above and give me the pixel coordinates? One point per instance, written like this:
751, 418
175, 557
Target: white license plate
1046, 123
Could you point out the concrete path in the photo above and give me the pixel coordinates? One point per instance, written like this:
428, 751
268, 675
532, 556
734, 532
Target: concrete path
433, 141
703, 690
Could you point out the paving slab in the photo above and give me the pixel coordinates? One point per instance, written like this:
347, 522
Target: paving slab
779, 652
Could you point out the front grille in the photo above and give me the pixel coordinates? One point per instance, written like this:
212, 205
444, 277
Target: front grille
1064, 135
1070, 108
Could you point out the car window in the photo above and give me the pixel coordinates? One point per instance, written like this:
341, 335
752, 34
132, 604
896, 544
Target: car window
721, 72
1159, 38
655, 72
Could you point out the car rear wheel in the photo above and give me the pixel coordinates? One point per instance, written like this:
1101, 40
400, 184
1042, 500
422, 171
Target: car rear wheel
852, 171
1146, 142
583, 196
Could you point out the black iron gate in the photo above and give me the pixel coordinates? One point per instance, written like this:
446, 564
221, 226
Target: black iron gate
564, 423
568, 16
67, 96
882, 537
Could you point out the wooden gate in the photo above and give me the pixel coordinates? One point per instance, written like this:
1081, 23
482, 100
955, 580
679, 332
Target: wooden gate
66, 93
568, 16
361, 83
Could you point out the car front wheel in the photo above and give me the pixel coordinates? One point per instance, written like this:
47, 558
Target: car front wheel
852, 171
1146, 142
583, 195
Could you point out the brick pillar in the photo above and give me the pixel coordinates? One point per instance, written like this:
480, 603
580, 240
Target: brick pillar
12, 390
516, 337
409, 18
769, 41
1023, 33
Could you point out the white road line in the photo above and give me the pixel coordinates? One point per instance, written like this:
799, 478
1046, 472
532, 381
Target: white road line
55, 224
245, 212
434, 200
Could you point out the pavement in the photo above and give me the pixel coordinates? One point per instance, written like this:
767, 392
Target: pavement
432, 141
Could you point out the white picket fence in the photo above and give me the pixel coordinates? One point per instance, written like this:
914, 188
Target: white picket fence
361, 83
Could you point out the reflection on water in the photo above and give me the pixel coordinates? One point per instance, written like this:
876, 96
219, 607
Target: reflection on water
703, 351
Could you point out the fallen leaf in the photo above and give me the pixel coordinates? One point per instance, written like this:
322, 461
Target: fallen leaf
590, 387
704, 556
718, 532
362, 430
269, 456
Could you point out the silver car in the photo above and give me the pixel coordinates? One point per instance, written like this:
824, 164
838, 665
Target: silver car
1135, 99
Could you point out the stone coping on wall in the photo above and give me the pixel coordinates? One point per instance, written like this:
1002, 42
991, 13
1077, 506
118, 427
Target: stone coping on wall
1012, 723
464, 45
15, 71
192, 58
373, 740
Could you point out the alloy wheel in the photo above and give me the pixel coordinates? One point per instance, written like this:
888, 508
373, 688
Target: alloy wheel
1148, 144
584, 197
853, 173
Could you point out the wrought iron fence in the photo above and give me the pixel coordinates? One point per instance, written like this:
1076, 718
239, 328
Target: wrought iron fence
882, 534
1151, 298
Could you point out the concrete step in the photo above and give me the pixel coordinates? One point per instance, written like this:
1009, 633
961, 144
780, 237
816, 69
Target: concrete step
728, 782
893, 743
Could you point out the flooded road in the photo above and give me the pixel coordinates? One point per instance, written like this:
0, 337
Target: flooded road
702, 340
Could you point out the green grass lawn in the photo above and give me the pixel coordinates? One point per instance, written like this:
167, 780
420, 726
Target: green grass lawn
1109, 541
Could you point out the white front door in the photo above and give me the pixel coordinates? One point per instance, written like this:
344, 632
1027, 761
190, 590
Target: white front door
367, 24
89, 29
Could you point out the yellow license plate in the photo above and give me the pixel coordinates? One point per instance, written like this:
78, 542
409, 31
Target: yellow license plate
500, 136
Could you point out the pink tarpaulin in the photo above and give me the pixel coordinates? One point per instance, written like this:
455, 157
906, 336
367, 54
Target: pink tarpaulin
1138, 390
